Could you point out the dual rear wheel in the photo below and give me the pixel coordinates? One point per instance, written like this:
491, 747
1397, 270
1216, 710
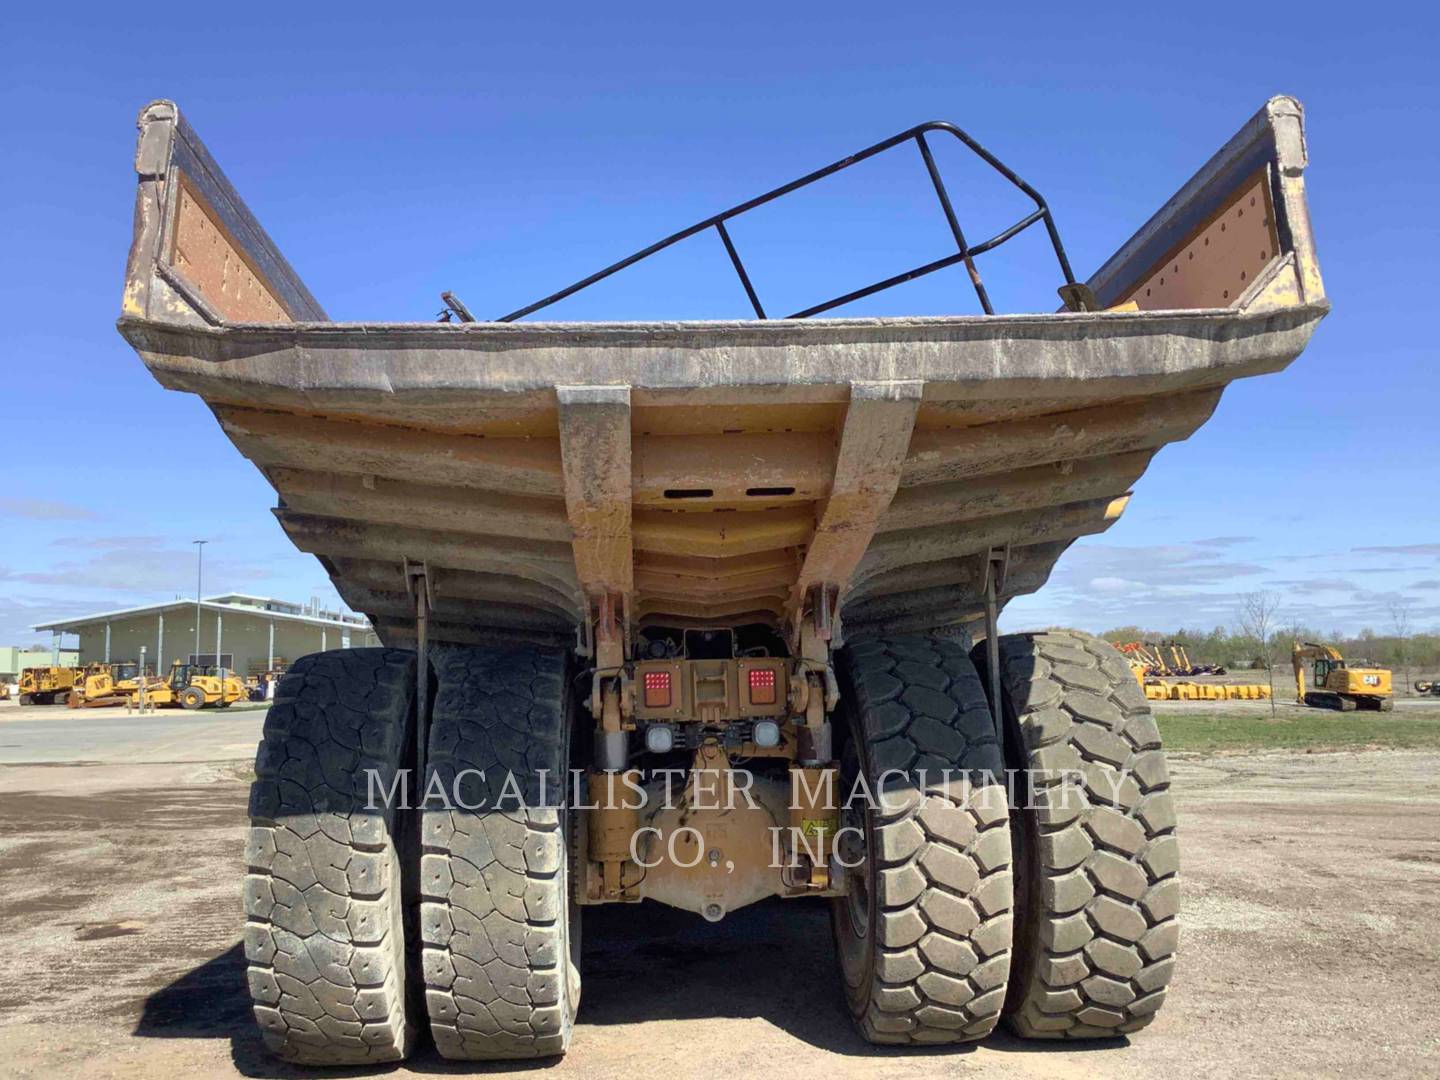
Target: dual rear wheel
369, 918
1050, 907
1054, 910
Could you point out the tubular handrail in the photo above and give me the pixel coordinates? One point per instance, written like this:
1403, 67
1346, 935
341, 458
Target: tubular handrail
965, 253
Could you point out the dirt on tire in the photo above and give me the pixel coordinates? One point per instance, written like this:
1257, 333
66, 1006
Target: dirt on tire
500, 978
1097, 862
324, 934
926, 956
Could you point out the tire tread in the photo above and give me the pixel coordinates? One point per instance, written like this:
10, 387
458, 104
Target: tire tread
492, 882
324, 936
1102, 930
943, 859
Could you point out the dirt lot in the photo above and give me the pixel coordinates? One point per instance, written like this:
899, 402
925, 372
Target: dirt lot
1311, 945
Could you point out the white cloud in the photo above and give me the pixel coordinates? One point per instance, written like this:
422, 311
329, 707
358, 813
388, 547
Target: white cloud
44, 510
1164, 587
1114, 584
1223, 541
1403, 549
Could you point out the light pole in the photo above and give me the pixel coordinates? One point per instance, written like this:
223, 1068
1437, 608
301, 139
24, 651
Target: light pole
199, 578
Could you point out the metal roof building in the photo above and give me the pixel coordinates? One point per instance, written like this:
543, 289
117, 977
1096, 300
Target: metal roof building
249, 634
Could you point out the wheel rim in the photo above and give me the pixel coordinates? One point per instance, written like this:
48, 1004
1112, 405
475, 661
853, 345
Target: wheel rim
853, 912
855, 823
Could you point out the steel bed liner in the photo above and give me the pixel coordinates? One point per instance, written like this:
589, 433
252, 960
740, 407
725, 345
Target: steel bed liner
714, 472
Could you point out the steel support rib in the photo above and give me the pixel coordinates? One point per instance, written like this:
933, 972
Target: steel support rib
996, 566
874, 442
595, 457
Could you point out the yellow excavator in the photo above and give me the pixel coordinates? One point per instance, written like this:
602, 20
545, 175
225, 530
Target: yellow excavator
1337, 685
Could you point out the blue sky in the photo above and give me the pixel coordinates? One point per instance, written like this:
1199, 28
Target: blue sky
504, 151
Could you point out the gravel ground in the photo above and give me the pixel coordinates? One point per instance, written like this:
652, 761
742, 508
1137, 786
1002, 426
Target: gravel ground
1310, 945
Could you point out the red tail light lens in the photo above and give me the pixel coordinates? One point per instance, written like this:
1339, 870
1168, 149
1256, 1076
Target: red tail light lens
762, 686
656, 685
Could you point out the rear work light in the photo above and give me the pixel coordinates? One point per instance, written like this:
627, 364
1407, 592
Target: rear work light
762, 686
657, 689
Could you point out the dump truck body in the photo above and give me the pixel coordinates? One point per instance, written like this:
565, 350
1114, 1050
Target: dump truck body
751, 553
714, 472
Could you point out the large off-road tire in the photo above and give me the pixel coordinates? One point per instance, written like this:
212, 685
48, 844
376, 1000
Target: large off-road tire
1097, 866
500, 930
325, 936
923, 933
192, 697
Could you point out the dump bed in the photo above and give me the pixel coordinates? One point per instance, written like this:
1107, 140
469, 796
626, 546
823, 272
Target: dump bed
693, 473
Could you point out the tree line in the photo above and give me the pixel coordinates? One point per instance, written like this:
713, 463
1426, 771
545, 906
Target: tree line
1236, 648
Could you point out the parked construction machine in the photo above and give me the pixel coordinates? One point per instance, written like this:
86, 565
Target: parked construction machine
1161, 678
47, 685
1337, 685
1165, 659
196, 686
674, 560
106, 684
191, 686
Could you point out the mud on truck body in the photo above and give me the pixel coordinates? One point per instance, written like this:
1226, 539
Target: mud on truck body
686, 559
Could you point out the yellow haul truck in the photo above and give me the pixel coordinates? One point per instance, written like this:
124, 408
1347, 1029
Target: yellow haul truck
618, 568
47, 685
1337, 685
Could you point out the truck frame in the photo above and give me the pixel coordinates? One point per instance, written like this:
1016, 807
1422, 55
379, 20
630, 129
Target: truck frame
681, 563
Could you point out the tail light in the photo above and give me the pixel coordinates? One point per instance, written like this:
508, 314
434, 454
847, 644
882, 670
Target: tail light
762, 686
657, 691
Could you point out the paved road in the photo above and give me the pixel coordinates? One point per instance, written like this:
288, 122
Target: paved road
49, 735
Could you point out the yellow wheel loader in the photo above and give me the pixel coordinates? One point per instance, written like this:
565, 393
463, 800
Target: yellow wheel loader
676, 561
1337, 685
192, 686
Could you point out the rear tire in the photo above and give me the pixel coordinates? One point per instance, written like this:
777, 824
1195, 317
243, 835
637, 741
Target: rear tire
325, 936
192, 698
1097, 887
499, 926
923, 934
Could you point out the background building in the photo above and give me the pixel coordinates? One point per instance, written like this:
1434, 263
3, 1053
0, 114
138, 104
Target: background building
251, 633
14, 660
